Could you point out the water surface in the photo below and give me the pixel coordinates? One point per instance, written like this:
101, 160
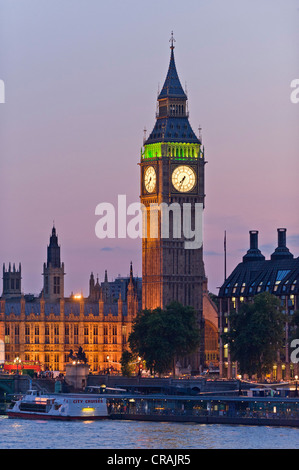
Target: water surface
110, 434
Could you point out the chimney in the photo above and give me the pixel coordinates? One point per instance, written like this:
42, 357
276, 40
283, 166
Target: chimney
282, 238
281, 252
253, 239
253, 254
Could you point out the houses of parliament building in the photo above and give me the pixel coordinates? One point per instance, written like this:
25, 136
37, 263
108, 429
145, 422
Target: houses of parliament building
46, 328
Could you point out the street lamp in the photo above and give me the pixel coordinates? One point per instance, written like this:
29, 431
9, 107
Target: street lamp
139, 366
240, 390
108, 372
296, 390
17, 361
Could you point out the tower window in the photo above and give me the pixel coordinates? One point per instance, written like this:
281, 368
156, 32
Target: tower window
56, 285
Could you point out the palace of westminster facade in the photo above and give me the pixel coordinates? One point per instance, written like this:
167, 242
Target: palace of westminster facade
46, 328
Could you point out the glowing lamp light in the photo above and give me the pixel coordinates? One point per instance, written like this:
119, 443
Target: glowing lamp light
77, 296
88, 410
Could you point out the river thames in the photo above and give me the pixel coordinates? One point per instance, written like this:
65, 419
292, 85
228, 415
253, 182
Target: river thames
106, 434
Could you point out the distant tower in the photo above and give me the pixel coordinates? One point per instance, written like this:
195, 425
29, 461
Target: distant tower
94, 289
11, 282
53, 271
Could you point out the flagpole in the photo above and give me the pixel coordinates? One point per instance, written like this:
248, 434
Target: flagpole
225, 255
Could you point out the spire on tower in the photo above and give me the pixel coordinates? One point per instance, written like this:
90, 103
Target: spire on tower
172, 124
131, 271
172, 40
172, 86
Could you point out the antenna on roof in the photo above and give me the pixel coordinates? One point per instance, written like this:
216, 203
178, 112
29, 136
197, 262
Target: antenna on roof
200, 132
172, 40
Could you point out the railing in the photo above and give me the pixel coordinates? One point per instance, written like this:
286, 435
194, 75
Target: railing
279, 415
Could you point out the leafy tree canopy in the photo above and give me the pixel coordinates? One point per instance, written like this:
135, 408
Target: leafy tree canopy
256, 334
161, 335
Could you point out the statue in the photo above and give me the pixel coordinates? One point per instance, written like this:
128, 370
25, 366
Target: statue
79, 357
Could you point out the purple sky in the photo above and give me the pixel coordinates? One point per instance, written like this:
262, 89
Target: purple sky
81, 81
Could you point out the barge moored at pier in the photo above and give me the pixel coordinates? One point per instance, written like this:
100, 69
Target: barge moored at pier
257, 410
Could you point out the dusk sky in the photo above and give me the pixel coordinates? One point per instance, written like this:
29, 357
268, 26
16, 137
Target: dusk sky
81, 80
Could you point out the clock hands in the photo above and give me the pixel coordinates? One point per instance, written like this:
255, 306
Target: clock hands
182, 180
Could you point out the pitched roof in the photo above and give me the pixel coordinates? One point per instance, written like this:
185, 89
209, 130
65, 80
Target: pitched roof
172, 129
172, 86
279, 275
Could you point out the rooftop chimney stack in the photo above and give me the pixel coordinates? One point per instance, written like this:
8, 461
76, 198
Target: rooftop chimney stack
281, 252
253, 239
253, 254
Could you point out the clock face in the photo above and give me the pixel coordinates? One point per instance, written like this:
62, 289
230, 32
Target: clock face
183, 178
150, 179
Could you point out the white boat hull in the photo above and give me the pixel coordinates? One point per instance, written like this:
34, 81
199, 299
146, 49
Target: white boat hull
59, 407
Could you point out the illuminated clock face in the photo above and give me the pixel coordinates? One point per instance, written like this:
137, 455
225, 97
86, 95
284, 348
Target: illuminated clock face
150, 179
183, 178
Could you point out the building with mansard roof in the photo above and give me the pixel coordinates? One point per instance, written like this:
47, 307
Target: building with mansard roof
279, 276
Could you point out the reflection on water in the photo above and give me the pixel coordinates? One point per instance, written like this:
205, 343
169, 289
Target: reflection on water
106, 434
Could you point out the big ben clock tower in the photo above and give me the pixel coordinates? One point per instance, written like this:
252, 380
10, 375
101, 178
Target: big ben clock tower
172, 172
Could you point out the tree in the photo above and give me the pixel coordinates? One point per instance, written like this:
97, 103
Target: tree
256, 334
294, 325
127, 366
159, 336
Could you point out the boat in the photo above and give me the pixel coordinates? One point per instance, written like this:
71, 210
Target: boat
36, 405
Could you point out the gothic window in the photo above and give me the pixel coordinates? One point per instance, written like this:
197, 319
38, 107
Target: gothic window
124, 335
47, 334
105, 334
95, 334
86, 341
36, 334
56, 285
56, 334
47, 361
56, 361
17, 333
7, 333
114, 334
67, 334
27, 334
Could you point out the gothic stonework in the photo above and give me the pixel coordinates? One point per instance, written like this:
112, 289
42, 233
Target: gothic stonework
172, 172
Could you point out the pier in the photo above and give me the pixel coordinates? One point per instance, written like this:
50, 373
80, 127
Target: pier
269, 411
